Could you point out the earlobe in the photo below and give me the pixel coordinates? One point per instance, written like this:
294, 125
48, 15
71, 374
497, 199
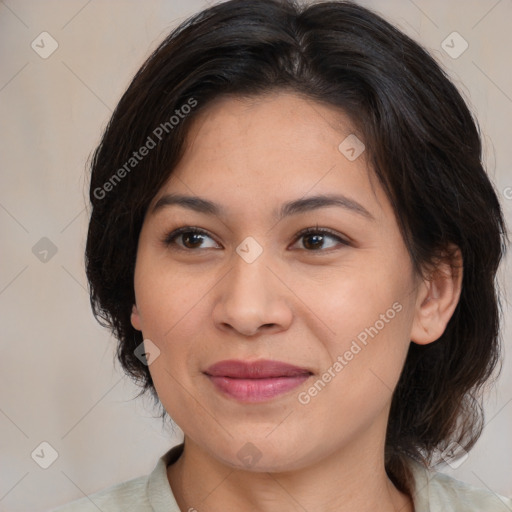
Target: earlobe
135, 318
437, 299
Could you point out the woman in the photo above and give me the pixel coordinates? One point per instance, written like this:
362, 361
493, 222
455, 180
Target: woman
295, 242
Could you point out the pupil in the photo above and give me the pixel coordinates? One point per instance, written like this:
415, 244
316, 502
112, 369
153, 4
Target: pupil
318, 239
188, 236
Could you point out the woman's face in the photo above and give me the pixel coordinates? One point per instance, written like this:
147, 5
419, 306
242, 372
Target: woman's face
340, 306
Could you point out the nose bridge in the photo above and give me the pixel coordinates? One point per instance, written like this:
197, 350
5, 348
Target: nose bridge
249, 279
251, 296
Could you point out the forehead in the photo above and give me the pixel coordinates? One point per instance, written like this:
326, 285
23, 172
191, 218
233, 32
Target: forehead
271, 148
288, 125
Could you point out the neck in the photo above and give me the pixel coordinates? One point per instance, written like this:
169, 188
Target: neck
350, 479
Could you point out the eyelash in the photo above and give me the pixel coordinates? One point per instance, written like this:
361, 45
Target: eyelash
169, 238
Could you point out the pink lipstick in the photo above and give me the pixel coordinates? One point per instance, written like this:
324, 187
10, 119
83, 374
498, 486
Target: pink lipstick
255, 381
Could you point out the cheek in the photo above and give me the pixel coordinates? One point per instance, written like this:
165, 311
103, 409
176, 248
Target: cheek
357, 384
352, 298
173, 307
166, 293
366, 317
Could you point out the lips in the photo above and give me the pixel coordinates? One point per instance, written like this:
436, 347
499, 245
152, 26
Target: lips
263, 369
256, 381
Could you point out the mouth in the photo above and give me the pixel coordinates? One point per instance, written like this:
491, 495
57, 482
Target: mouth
255, 381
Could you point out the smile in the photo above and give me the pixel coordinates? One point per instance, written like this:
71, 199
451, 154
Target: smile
256, 381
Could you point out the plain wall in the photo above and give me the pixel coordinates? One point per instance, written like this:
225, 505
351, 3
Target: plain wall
59, 382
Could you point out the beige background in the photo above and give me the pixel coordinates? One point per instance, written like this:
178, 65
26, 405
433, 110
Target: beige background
58, 380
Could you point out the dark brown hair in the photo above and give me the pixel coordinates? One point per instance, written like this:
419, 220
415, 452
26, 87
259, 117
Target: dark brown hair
424, 147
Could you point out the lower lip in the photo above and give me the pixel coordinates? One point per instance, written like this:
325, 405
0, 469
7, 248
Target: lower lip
257, 390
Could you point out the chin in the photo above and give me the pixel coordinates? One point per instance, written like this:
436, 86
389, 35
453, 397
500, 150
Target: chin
261, 455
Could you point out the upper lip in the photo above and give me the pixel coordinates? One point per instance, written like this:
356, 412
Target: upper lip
261, 369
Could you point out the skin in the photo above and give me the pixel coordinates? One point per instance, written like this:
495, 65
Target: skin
301, 301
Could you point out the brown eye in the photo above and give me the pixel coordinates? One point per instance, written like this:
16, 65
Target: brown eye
191, 238
314, 239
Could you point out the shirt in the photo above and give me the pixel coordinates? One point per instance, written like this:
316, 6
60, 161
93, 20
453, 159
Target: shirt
433, 492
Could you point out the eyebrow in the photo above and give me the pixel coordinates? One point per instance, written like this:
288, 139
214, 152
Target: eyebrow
202, 205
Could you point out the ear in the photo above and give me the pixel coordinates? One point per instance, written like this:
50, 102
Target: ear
438, 297
135, 318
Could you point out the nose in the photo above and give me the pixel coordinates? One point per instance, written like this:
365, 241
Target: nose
252, 299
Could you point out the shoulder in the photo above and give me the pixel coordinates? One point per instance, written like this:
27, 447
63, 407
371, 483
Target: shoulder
435, 491
462, 496
149, 493
127, 496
